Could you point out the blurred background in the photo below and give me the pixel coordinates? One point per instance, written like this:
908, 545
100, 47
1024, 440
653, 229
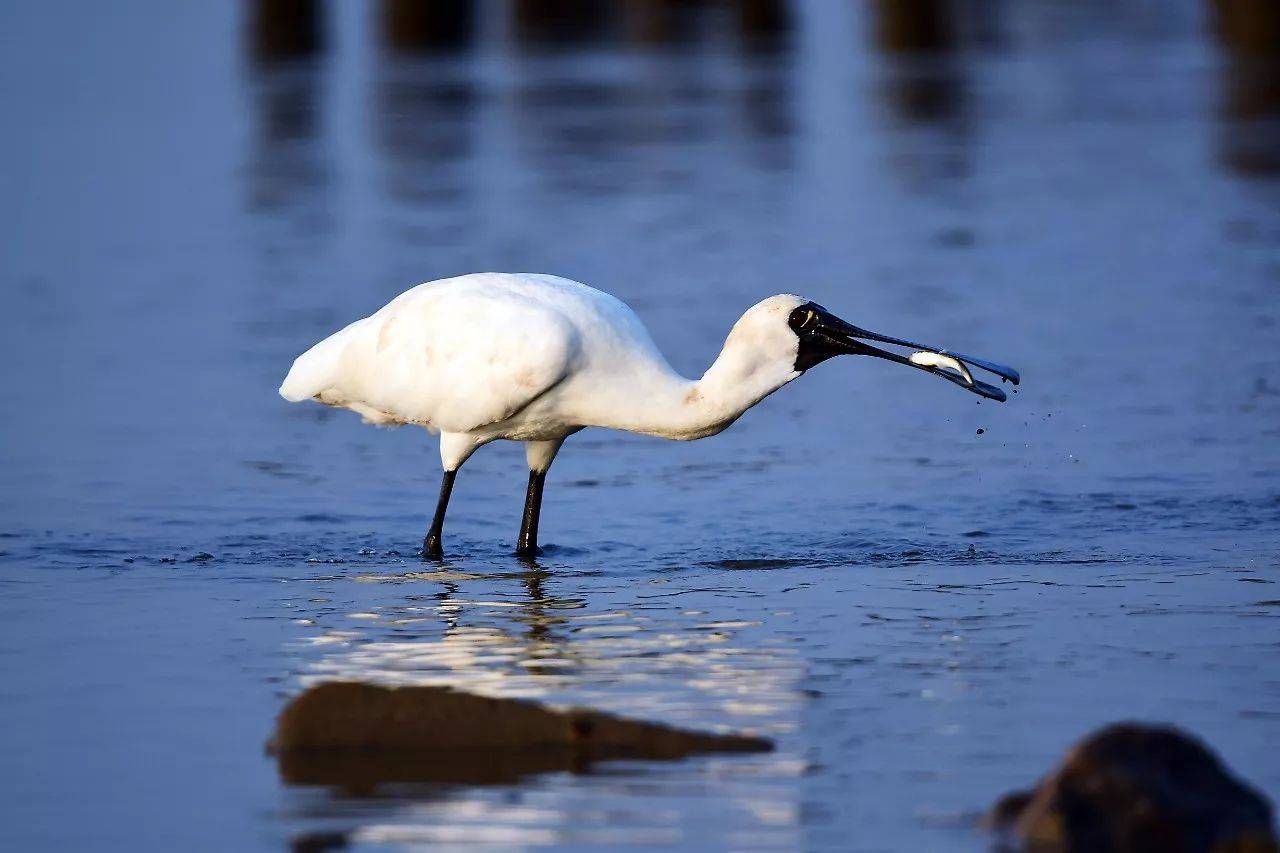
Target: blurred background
921, 597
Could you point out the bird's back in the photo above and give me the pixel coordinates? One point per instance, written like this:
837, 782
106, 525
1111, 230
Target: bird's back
461, 353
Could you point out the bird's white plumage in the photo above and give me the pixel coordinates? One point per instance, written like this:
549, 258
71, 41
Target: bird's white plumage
453, 355
534, 358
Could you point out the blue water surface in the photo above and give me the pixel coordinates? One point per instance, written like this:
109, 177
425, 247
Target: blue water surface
923, 598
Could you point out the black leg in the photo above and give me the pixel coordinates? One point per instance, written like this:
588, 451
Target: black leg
431, 549
528, 544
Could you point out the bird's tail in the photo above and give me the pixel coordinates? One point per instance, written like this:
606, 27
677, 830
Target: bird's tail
313, 371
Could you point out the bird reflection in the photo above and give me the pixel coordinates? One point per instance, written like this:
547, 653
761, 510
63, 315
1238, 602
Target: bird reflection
541, 638
545, 646
529, 653
1249, 129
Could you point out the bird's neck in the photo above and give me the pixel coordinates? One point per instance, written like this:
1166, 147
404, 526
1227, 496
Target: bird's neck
671, 406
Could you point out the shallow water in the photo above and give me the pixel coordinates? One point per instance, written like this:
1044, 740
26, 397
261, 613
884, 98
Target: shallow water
922, 615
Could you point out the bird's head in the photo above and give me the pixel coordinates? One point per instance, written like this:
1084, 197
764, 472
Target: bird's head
788, 328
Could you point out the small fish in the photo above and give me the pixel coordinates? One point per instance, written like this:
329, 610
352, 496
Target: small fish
942, 361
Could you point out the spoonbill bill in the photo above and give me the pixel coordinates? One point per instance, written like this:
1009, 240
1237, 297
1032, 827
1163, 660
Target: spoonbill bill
536, 358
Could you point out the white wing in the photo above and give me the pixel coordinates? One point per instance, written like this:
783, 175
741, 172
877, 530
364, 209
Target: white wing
453, 355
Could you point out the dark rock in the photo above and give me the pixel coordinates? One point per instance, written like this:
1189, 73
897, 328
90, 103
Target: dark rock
1133, 787
361, 736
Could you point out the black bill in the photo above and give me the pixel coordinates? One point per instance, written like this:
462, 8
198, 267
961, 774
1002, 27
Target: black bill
823, 335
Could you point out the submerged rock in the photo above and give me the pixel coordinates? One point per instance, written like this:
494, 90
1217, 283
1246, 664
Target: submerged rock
359, 735
1135, 787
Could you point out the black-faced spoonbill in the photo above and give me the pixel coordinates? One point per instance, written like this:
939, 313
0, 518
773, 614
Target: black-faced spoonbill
535, 358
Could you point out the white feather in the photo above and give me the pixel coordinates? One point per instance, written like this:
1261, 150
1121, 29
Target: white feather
534, 358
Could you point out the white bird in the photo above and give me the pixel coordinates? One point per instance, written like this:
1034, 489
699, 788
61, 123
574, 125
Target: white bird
536, 358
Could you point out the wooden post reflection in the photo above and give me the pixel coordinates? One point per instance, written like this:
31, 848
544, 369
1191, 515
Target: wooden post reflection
428, 26
282, 43
284, 29
913, 26
931, 92
661, 22
563, 21
763, 24
1249, 132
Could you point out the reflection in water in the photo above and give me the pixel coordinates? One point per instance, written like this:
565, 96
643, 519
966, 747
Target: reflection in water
541, 622
411, 26
358, 737
757, 25
766, 101
923, 84
593, 124
1249, 135
914, 26
279, 30
764, 25
594, 136
984, 23
424, 117
766, 106
425, 129
539, 23
461, 661
662, 22
286, 171
929, 89
660, 663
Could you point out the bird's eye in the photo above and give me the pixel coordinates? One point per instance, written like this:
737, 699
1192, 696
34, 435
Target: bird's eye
800, 317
